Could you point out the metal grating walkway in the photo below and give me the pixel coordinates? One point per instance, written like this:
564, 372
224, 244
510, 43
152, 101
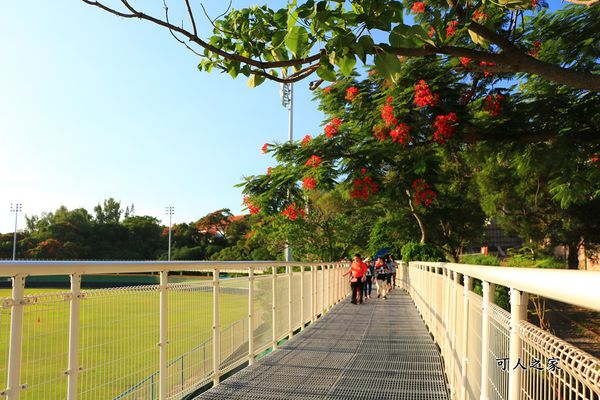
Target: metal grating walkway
378, 350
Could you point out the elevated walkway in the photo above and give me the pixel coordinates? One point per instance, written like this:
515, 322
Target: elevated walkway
378, 350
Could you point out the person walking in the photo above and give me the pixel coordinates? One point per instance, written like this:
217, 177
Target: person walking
357, 272
391, 266
368, 280
381, 272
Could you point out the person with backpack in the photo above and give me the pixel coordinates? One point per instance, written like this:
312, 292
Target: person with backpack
357, 272
368, 280
381, 273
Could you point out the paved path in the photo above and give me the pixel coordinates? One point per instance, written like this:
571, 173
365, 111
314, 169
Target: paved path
378, 350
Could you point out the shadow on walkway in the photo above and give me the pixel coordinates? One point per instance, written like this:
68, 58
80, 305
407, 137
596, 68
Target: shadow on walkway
377, 350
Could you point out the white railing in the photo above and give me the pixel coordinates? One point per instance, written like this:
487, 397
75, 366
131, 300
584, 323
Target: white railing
490, 353
157, 341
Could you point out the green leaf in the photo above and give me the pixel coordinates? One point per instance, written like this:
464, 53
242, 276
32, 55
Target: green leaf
325, 71
297, 40
255, 80
388, 65
347, 64
364, 46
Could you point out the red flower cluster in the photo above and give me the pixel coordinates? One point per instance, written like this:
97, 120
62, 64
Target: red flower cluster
492, 104
306, 140
387, 113
292, 212
423, 95
401, 134
331, 128
328, 89
363, 188
265, 148
422, 193
379, 133
487, 64
309, 183
535, 49
451, 28
418, 7
363, 170
249, 203
595, 160
465, 61
479, 16
445, 126
313, 161
269, 169
534, 3
351, 93
431, 31
372, 72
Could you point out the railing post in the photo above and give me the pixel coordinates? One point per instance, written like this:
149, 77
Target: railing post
488, 298
164, 340
326, 282
468, 281
274, 298
435, 301
250, 315
216, 331
453, 335
302, 316
518, 313
74, 307
13, 382
290, 311
323, 288
313, 295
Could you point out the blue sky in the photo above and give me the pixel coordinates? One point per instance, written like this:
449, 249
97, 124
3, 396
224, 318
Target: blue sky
93, 106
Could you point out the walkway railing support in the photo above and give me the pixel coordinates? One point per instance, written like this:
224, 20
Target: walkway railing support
274, 316
216, 331
518, 313
313, 295
251, 315
164, 340
465, 335
453, 354
487, 300
74, 314
290, 311
16, 339
302, 316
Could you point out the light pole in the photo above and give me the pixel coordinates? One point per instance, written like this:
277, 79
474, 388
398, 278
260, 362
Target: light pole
169, 211
287, 100
16, 208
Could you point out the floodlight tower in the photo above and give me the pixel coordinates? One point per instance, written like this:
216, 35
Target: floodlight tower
169, 211
287, 100
16, 208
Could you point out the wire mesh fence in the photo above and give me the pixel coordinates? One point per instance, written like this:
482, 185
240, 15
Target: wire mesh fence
491, 353
109, 343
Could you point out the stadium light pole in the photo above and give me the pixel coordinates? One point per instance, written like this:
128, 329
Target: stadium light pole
16, 208
169, 211
287, 100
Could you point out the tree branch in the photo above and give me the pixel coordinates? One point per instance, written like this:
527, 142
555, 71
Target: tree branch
191, 14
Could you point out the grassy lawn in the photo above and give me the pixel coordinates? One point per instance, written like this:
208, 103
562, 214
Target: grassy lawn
119, 335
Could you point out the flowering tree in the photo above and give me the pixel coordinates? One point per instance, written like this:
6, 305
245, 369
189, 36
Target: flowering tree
505, 36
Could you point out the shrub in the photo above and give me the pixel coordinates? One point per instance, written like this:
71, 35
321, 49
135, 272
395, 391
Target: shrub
413, 251
480, 259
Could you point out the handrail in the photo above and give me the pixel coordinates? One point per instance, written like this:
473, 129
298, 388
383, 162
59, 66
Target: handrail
580, 288
29, 268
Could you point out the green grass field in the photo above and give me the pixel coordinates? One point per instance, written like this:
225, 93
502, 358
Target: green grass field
119, 335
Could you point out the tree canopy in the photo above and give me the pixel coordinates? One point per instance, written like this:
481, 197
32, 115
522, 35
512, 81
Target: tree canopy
507, 37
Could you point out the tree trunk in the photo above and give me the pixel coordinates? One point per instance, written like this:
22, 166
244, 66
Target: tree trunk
421, 226
573, 256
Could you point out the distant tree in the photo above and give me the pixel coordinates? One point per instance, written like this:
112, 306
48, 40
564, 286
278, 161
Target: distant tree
109, 212
144, 237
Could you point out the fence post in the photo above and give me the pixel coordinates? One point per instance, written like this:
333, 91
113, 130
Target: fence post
73, 368
302, 316
164, 340
290, 310
250, 315
13, 381
468, 281
453, 334
313, 295
216, 331
326, 282
518, 313
488, 298
274, 298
